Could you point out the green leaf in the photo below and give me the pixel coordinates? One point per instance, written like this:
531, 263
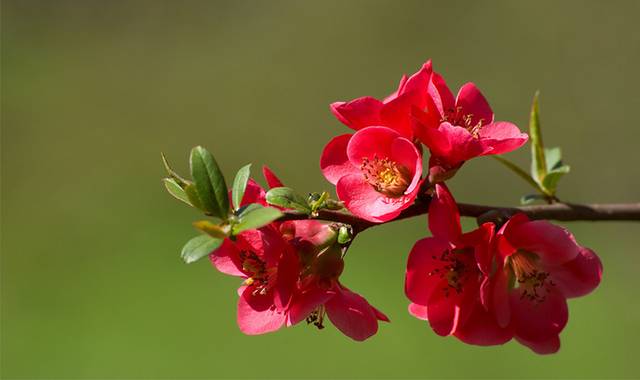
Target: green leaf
256, 217
209, 182
538, 162
192, 195
287, 198
550, 182
520, 172
530, 198
199, 247
240, 184
176, 190
179, 180
212, 229
553, 158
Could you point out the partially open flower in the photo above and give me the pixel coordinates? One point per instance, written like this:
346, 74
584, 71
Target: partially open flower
394, 111
376, 172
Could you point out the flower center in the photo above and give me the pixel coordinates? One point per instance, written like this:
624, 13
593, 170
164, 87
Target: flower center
386, 176
317, 317
458, 117
455, 268
259, 276
530, 279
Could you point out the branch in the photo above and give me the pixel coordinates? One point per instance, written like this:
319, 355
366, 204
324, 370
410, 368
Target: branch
496, 214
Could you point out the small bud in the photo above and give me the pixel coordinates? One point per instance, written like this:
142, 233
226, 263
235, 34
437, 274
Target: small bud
344, 235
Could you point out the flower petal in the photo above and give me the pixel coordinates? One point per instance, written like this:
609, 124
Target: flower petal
473, 102
482, 329
419, 285
358, 113
226, 259
544, 347
440, 94
257, 321
272, 179
404, 153
535, 320
364, 201
501, 137
443, 313
553, 244
305, 302
334, 162
370, 143
579, 276
444, 217
352, 315
418, 311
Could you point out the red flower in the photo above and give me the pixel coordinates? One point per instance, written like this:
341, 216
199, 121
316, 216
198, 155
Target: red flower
458, 129
540, 265
445, 274
376, 172
394, 111
270, 268
319, 290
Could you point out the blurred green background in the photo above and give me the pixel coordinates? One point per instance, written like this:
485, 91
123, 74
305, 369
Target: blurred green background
93, 91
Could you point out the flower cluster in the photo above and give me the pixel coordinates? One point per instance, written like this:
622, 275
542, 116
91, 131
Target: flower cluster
508, 279
486, 286
291, 273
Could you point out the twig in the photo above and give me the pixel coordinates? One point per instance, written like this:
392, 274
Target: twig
496, 214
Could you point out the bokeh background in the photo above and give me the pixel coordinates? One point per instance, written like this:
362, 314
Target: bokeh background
93, 91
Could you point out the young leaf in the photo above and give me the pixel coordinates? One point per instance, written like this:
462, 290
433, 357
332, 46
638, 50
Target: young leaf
209, 182
553, 158
199, 247
192, 194
519, 171
240, 184
538, 162
287, 198
176, 190
550, 182
256, 217
211, 229
179, 180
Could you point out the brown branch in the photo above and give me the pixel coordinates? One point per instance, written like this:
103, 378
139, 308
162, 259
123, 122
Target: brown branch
496, 214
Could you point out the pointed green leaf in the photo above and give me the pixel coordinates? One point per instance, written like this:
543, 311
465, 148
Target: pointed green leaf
179, 180
256, 217
519, 171
287, 198
538, 162
176, 190
199, 247
192, 195
553, 158
551, 180
240, 184
209, 182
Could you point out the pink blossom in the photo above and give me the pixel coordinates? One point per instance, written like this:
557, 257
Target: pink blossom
394, 111
376, 172
458, 129
539, 266
445, 275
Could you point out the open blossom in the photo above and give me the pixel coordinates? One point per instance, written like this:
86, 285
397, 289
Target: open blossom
394, 111
458, 129
376, 172
540, 265
269, 266
445, 274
